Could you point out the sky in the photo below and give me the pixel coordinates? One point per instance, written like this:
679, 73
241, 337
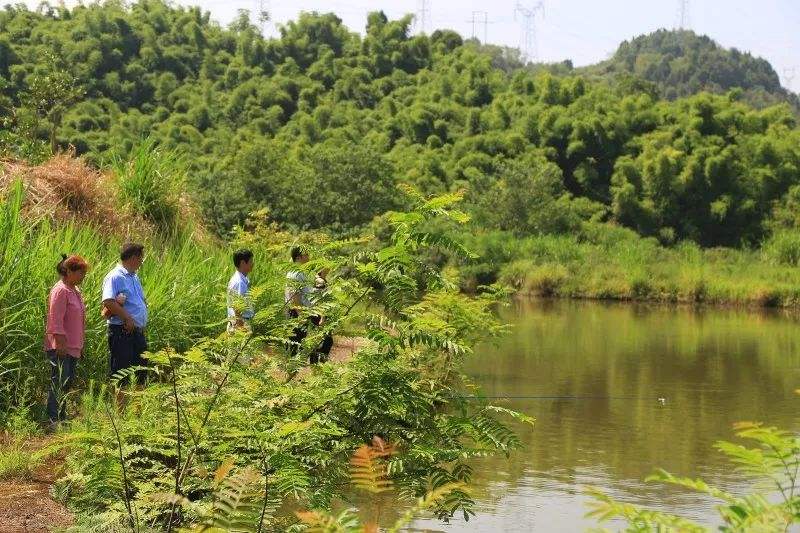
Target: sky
585, 31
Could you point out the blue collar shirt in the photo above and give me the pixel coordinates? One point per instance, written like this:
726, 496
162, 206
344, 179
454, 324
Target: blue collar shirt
121, 282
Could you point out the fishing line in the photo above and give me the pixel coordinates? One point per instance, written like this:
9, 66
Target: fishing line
526, 397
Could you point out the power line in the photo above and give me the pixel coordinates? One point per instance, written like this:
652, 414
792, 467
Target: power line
528, 44
476, 18
659, 400
684, 21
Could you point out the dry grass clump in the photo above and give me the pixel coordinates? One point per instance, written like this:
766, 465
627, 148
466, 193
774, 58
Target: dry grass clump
66, 189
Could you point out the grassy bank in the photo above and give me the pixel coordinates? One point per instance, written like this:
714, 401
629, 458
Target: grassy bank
228, 434
64, 206
183, 282
606, 262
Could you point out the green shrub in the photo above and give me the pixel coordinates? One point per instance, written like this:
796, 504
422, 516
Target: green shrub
15, 146
688, 252
152, 183
783, 248
16, 462
515, 274
694, 288
641, 286
546, 280
562, 249
606, 235
767, 297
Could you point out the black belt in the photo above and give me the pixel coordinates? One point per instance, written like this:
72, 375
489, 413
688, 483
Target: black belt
120, 326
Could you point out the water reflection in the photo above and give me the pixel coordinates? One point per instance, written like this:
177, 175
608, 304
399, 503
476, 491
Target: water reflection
592, 375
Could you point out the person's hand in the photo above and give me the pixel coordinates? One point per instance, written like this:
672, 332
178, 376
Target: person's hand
321, 320
129, 325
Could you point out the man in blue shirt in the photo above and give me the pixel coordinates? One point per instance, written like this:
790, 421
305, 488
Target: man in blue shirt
125, 307
240, 311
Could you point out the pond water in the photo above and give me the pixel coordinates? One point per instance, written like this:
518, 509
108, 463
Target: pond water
592, 375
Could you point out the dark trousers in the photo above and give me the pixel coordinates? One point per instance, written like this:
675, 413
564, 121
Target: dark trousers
126, 349
321, 352
62, 372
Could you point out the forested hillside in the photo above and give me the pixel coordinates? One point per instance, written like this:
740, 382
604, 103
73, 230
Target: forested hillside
682, 63
320, 125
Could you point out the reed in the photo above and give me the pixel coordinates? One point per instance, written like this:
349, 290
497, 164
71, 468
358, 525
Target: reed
183, 279
627, 267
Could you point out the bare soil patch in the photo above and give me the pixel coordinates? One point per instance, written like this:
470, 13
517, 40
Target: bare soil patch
26, 504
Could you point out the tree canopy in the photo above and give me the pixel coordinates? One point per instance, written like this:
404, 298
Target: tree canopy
319, 125
682, 63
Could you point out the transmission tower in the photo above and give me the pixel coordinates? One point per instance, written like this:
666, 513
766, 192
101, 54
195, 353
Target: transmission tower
480, 17
684, 21
527, 17
421, 19
788, 77
262, 15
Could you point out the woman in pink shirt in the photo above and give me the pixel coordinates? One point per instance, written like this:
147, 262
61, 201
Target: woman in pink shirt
63, 340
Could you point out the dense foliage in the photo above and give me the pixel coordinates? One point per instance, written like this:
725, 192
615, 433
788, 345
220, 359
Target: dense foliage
682, 63
319, 124
276, 436
240, 405
614, 263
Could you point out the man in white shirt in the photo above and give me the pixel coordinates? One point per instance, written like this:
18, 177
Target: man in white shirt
297, 296
240, 310
297, 288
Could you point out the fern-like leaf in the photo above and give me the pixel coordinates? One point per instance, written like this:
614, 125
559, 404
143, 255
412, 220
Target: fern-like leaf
322, 522
238, 502
368, 469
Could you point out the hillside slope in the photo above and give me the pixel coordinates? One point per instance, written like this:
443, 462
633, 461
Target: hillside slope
682, 63
320, 125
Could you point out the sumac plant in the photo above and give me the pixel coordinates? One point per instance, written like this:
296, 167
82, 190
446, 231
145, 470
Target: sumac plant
236, 434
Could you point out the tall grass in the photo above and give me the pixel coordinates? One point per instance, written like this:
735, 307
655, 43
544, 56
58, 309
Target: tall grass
783, 248
605, 262
183, 282
151, 182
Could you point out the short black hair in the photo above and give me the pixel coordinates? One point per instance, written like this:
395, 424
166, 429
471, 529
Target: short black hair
242, 255
131, 249
296, 253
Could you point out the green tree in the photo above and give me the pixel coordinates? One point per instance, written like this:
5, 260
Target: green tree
50, 93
